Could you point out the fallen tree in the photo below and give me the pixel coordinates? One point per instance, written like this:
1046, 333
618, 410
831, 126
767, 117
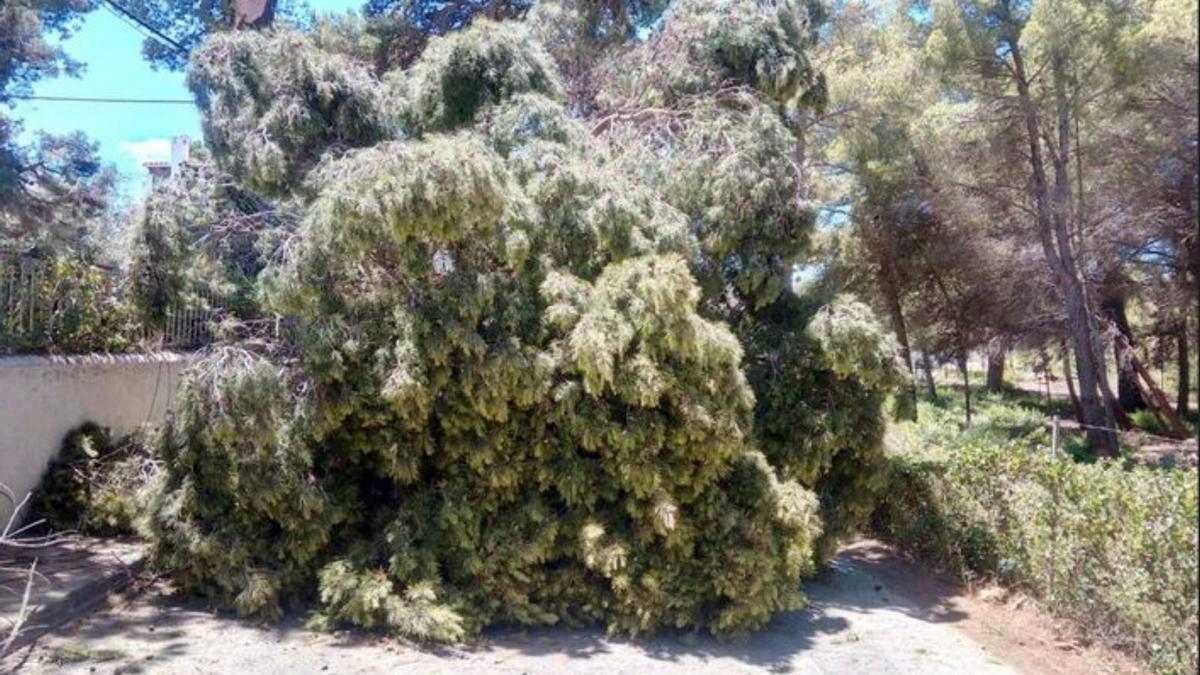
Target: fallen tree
515, 384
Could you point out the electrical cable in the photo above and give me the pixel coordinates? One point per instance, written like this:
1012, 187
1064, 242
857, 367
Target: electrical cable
116, 6
103, 99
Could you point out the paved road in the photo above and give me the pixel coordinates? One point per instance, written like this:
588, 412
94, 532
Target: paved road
855, 625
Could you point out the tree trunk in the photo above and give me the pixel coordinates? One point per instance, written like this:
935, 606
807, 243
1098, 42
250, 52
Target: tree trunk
1121, 344
995, 372
251, 13
1070, 380
1117, 415
962, 369
1097, 415
927, 368
1175, 426
1054, 235
1047, 373
896, 314
1184, 373
1129, 395
899, 327
1154, 394
1190, 249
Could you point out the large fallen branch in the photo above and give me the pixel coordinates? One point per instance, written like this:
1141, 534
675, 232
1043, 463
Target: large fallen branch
1150, 389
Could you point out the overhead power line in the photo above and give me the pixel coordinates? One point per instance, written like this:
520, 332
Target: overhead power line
103, 99
117, 7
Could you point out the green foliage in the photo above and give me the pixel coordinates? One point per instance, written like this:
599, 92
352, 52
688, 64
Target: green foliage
273, 103
817, 420
730, 167
1113, 548
50, 187
509, 391
705, 112
855, 345
30, 53
462, 73
368, 599
200, 239
997, 419
1150, 421
64, 306
158, 258
582, 37
236, 511
93, 485
708, 44
53, 191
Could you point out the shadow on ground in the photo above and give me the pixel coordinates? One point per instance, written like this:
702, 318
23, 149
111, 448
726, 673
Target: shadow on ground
855, 620
900, 585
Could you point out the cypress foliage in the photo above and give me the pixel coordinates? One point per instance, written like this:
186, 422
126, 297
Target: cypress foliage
509, 394
199, 232
730, 81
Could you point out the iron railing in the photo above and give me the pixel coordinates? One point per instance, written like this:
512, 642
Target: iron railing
55, 305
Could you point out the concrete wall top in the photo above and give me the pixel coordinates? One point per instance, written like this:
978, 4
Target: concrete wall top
47, 360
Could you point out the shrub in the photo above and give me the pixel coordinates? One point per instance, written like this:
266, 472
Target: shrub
94, 484
1112, 548
200, 242
64, 307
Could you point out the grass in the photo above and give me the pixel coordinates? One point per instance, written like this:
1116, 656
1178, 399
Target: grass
995, 419
68, 654
1016, 412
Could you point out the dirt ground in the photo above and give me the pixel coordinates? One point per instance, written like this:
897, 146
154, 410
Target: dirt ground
1007, 624
873, 612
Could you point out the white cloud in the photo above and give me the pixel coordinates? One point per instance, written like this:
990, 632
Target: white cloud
149, 150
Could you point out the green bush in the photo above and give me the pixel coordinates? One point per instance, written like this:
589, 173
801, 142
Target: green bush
197, 247
1150, 421
1112, 548
67, 307
94, 484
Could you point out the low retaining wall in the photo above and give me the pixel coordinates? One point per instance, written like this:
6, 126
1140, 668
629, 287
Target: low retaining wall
44, 397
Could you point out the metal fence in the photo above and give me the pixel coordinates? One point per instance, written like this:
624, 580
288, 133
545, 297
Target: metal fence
56, 306
21, 311
188, 326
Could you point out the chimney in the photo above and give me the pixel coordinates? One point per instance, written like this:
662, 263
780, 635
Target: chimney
181, 147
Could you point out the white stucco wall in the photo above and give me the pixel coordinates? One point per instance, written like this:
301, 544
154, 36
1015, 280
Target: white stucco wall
44, 397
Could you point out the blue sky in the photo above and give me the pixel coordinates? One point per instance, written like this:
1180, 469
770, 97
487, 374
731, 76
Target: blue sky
111, 50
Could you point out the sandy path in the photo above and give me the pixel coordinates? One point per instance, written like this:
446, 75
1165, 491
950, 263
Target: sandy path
862, 620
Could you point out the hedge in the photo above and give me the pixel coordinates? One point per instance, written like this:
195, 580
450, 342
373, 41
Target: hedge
1111, 547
